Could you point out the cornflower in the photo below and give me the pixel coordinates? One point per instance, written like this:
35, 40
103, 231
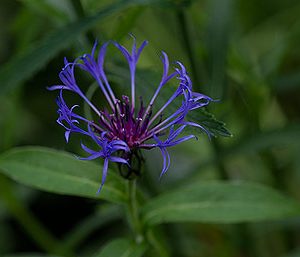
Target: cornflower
125, 127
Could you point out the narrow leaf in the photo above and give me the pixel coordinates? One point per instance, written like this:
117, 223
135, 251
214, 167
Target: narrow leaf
220, 202
209, 122
59, 172
293, 253
29, 255
23, 66
122, 248
287, 136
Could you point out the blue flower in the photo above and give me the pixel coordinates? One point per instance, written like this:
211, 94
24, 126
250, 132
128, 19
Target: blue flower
126, 127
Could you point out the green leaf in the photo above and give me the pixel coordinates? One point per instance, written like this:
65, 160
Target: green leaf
288, 82
21, 67
60, 172
209, 122
126, 23
293, 253
29, 255
47, 9
220, 202
122, 248
287, 136
217, 41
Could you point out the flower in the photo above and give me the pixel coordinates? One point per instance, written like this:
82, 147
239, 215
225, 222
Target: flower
126, 127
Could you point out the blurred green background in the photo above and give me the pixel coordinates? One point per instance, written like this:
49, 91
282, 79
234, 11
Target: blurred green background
244, 53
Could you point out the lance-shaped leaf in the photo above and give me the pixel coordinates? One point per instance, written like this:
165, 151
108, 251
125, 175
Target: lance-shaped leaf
29, 255
220, 202
122, 248
60, 172
40, 53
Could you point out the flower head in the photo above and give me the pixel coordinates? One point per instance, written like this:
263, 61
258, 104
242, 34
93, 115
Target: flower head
128, 126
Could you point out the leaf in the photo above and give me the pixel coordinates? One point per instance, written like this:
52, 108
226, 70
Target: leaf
220, 202
47, 9
293, 253
29, 255
217, 41
126, 23
209, 122
59, 172
287, 136
288, 82
21, 67
122, 248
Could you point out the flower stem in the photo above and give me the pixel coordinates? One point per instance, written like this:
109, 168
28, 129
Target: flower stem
79, 12
133, 212
187, 44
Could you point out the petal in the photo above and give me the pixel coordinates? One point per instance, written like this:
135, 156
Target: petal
104, 174
118, 159
155, 137
88, 150
185, 138
183, 70
170, 77
120, 144
124, 51
198, 126
174, 134
56, 87
66, 61
83, 67
166, 161
67, 135
92, 157
165, 61
94, 48
94, 137
101, 55
141, 48
133, 49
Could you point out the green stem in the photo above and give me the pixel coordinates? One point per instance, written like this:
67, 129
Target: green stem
78, 8
188, 46
133, 212
142, 234
79, 11
157, 244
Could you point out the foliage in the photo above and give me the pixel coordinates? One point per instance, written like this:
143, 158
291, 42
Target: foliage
236, 194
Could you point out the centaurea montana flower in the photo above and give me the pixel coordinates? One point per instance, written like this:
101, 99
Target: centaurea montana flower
125, 128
